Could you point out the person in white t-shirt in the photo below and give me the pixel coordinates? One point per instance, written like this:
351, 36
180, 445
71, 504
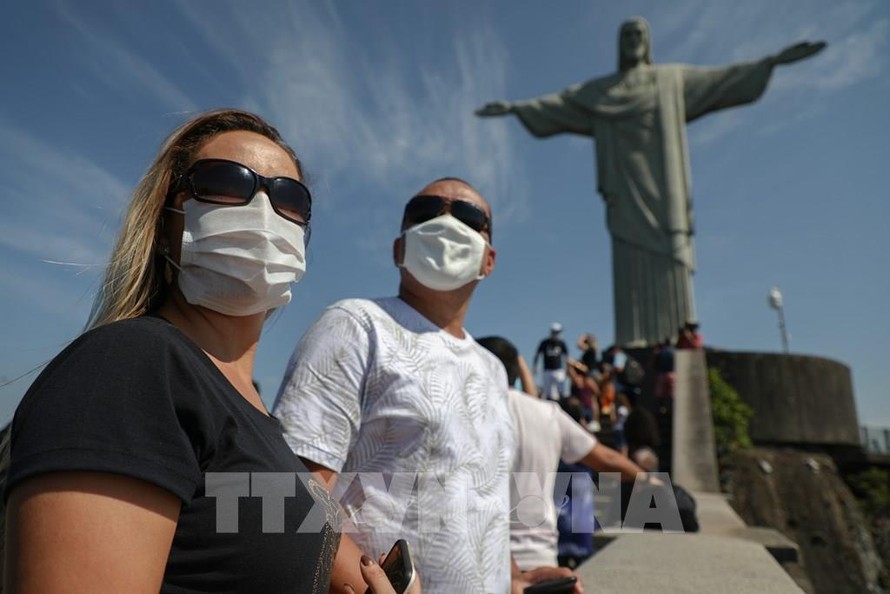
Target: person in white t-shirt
396, 398
544, 435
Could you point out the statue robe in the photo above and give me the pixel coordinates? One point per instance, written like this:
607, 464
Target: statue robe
638, 120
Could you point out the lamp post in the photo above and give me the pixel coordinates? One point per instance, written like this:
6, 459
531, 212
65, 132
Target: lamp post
775, 301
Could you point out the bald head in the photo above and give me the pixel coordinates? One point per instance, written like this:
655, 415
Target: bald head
451, 189
444, 249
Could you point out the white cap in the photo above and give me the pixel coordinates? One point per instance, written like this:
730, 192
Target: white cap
556, 327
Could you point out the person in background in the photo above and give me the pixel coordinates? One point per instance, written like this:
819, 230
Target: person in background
590, 352
576, 519
124, 446
554, 352
605, 380
628, 372
585, 389
647, 459
644, 442
397, 387
690, 338
544, 435
663, 365
641, 433
622, 411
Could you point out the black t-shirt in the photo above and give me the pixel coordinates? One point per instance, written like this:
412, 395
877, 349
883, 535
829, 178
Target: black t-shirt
553, 350
138, 398
664, 359
590, 358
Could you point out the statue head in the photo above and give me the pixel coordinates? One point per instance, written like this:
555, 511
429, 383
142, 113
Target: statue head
634, 43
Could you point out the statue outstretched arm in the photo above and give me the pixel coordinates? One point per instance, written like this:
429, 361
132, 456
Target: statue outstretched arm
708, 89
495, 108
798, 51
548, 114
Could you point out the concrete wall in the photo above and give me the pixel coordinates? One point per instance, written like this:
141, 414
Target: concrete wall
796, 399
694, 455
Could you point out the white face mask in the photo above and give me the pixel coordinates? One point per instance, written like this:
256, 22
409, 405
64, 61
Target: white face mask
239, 260
443, 253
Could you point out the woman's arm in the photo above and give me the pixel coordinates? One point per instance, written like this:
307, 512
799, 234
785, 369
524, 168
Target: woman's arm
89, 532
346, 572
350, 572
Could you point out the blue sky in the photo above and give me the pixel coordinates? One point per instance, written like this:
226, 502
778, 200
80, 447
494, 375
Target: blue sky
378, 99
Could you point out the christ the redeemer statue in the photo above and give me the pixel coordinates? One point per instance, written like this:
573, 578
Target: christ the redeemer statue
638, 117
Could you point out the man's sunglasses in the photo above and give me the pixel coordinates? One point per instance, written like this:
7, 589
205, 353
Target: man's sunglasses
423, 208
227, 183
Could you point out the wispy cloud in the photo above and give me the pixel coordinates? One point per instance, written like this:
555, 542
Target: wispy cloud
41, 285
857, 41
381, 120
858, 49
57, 206
855, 57
781, 25
689, 31
388, 123
712, 129
110, 60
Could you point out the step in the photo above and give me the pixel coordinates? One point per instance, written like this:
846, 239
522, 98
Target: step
656, 563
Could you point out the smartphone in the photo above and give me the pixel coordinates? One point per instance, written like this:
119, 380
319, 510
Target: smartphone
557, 586
398, 567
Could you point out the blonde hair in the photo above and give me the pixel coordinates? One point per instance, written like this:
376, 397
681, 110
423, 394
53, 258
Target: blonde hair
134, 284
134, 281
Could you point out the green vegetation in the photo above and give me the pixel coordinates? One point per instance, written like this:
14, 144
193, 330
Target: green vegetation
872, 488
731, 417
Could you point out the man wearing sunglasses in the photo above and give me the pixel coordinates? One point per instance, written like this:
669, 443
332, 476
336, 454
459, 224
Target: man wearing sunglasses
396, 391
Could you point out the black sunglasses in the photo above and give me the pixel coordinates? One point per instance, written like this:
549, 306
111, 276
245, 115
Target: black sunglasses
423, 208
227, 183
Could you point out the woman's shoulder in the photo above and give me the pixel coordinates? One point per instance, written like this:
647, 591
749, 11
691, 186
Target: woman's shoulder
121, 398
142, 364
149, 335
127, 350
143, 327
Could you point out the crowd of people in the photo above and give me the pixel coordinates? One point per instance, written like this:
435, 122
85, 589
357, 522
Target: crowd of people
144, 459
607, 384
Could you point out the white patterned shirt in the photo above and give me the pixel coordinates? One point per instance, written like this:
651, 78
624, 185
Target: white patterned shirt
375, 388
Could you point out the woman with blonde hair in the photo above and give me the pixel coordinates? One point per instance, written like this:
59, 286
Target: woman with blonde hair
142, 458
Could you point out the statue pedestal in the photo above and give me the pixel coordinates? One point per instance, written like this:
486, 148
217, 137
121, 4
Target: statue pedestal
797, 399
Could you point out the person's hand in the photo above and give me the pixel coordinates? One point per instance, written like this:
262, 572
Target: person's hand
495, 108
798, 51
524, 579
646, 480
377, 581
